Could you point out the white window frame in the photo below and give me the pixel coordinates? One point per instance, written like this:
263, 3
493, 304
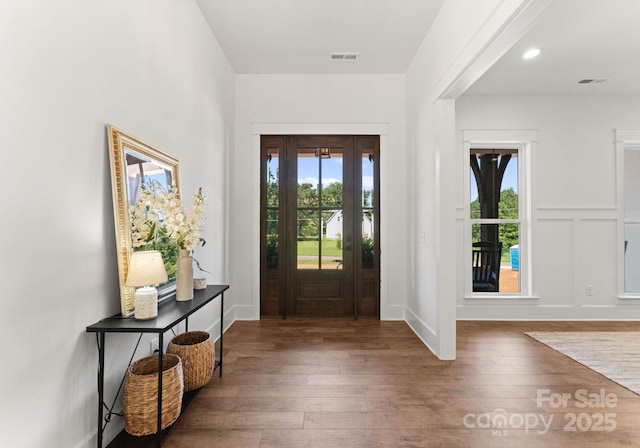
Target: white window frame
523, 141
626, 139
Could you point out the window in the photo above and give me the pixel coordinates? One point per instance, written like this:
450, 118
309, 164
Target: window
497, 220
631, 219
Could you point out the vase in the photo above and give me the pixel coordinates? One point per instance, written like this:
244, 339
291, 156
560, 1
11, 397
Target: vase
184, 280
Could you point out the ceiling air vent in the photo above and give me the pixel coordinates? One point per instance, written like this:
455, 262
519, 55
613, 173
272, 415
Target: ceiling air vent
344, 56
592, 81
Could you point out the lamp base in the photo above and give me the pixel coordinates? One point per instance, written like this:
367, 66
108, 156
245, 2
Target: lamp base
145, 303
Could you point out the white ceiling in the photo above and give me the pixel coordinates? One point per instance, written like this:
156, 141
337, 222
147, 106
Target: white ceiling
579, 39
298, 36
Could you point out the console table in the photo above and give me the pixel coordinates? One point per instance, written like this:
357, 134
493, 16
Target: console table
170, 314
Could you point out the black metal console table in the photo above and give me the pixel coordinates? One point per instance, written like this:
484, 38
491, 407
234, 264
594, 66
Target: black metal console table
170, 314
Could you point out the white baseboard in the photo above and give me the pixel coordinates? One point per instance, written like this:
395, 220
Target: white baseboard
90, 441
536, 312
245, 312
422, 330
393, 312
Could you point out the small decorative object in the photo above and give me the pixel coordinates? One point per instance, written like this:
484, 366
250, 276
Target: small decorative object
140, 406
199, 282
184, 278
197, 352
164, 216
146, 269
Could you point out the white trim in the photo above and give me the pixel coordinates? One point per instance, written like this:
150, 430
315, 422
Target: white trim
229, 318
534, 311
495, 221
485, 298
621, 137
92, 439
627, 298
387, 312
320, 128
627, 136
445, 197
565, 208
425, 333
524, 141
625, 139
514, 19
508, 138
395, 312
255, 259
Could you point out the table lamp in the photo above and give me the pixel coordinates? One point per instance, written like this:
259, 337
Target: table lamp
145, 269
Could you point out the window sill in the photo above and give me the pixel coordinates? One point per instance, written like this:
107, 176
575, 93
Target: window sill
629, 296
502, 297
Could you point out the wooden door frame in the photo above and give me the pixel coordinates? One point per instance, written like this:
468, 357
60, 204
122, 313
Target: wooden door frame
354, 274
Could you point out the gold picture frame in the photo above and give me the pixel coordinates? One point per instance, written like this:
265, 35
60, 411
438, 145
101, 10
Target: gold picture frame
129, 158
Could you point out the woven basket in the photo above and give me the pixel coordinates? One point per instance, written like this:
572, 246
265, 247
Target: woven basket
141, 394
197, 352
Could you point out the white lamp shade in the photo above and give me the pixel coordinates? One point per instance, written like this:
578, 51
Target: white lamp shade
146, 268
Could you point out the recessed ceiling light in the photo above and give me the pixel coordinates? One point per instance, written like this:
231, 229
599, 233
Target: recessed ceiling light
530, 54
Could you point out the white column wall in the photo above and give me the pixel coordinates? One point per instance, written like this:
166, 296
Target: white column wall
152, 68
465, 39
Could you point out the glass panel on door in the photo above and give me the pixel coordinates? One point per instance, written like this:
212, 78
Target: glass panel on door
320, 208
367, 229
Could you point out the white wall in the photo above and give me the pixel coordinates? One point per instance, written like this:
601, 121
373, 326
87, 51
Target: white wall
574, 181
150, 67
464, 40
318, 104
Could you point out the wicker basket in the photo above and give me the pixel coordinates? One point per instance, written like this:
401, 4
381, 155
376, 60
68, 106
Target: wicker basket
197, 352
141, 394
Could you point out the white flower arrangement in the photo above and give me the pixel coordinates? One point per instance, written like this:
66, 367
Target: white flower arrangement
158, 213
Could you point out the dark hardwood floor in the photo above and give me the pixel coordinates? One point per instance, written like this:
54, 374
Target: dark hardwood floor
365, 383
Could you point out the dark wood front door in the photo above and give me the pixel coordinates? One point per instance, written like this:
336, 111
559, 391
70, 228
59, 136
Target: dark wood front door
319, 218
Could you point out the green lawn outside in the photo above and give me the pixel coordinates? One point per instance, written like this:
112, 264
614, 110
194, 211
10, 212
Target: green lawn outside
329, 248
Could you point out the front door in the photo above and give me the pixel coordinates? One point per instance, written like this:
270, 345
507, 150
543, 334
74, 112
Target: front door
319, 218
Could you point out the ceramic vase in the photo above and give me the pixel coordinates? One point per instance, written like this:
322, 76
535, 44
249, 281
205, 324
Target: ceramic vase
184, 280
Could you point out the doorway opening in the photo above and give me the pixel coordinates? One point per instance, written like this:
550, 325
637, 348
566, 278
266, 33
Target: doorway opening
319, 225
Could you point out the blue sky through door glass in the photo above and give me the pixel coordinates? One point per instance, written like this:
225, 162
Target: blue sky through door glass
331, 171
